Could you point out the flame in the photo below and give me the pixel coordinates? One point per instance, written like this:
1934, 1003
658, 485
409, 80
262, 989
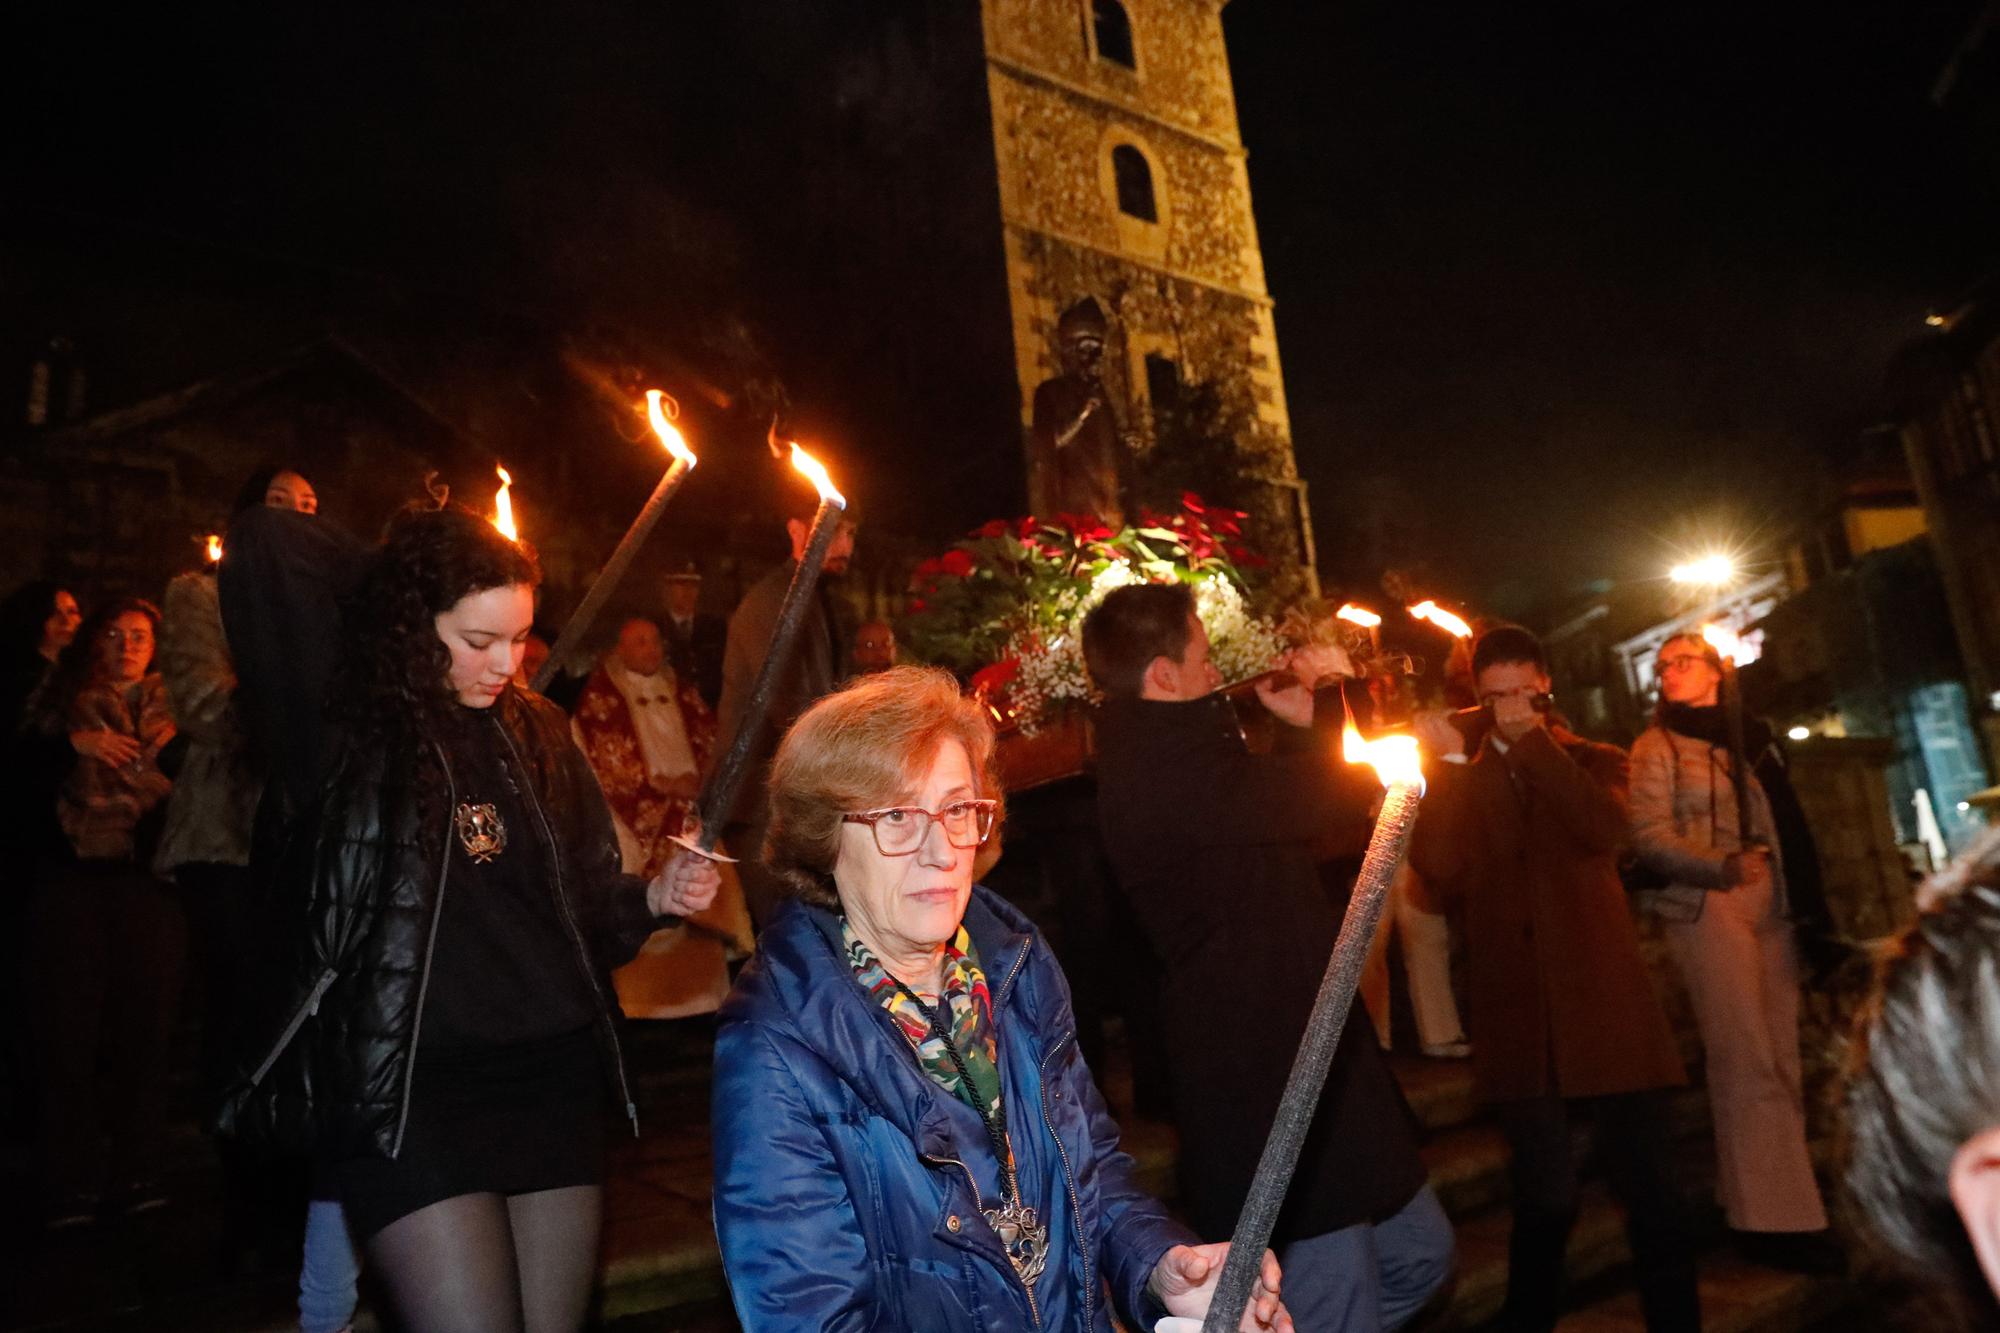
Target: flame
1725, 641
815, 472
1358, 615
1394, 756
214, 547
664, 428
503, 507
1443, 619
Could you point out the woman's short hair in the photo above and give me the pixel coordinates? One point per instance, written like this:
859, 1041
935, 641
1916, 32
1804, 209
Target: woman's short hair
1132, 626
862, 748
1924, 1076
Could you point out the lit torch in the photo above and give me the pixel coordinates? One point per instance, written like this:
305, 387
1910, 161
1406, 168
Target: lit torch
213, 546
1396, 763
503, 506
1729, 646
718, 794
628, 546
1443, 619
1368, 620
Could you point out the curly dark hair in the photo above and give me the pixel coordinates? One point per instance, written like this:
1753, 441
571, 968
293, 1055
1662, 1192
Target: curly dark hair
394, 681
76, 666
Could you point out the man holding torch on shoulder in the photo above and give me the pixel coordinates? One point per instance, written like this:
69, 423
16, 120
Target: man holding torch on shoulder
1217, 849
1520, 834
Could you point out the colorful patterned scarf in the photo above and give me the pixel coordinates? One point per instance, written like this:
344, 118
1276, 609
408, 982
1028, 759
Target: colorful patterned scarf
969, 1015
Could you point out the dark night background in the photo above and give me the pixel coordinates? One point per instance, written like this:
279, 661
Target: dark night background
1559, 289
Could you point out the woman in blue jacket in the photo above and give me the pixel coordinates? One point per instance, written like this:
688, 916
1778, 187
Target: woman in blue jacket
905, 1134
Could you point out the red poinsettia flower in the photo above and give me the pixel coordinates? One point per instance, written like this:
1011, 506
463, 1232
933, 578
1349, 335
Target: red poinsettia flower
1192, 503
1026, 527
998, 527
928, 569
956, 563
994, 679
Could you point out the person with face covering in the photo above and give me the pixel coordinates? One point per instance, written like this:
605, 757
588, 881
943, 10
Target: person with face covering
1732, 907
106, 939
906, 1137
445, 1033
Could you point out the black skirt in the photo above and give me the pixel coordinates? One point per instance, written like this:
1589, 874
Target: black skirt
512, 1119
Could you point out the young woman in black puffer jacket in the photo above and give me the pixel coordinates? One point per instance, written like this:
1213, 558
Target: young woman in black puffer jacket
447, 1036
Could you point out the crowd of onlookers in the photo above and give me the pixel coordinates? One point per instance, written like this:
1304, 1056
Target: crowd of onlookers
157, 756
146, 777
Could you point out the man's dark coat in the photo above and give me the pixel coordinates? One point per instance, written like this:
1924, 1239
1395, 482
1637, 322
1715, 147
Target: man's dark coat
1217, 849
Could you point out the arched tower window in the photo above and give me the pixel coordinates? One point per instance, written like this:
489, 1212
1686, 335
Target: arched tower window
1135, 183
1113, 28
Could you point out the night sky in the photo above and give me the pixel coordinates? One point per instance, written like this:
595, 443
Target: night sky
1576, 287
1559, 290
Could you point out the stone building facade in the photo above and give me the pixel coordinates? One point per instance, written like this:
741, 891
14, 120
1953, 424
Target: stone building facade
1122, 177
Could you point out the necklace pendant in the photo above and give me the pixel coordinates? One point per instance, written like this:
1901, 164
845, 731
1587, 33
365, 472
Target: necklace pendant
1023, 1235
480, 830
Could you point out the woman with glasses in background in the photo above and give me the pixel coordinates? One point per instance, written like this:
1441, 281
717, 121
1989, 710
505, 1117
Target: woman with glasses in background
905, 1133
1732, 900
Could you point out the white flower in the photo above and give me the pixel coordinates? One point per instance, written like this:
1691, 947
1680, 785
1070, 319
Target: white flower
1052, 670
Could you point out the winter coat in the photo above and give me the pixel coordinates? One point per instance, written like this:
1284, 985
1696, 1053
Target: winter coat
1218, 850
216, 789
111, 814
365, 869
1525, 844
1684, 821
281, 581
844, 1195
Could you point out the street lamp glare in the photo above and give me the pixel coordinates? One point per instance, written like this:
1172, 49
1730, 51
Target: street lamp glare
1710, 570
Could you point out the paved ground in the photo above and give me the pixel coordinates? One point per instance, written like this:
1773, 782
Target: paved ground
662, 1272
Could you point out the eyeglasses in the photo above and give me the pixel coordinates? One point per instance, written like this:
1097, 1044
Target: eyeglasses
902, 829
1679, 662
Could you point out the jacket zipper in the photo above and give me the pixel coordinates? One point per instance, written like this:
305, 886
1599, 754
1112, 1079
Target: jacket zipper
305, 1010
1034, 1309
1069, 1179
430, 949
576, 934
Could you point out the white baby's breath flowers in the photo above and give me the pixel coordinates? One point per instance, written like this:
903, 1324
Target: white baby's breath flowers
1052, 672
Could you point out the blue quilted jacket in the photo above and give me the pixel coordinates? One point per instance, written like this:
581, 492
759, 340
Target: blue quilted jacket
845, 1179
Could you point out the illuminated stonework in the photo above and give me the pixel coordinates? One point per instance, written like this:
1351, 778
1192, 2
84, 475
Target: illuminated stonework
1187, 286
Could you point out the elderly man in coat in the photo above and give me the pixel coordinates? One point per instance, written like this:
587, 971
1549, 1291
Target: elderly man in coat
1522, 836
1218, 851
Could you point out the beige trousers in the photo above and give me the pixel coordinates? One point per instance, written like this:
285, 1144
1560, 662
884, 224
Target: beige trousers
1426, 940
1738, 963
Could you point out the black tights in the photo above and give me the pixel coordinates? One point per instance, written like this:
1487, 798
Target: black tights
493, 1263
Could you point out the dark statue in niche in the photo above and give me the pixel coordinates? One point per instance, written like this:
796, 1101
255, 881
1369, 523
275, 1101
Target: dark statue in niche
1076, 453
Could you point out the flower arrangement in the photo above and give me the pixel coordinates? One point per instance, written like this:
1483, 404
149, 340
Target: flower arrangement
1005, 605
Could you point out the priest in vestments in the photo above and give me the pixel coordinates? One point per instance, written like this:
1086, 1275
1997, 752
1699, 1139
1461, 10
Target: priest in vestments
647, 735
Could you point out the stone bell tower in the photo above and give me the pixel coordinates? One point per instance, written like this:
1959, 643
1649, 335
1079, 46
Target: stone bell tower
1123, 178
